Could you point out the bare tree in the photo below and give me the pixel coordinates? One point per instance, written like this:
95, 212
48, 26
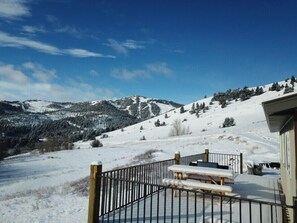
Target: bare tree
178, 129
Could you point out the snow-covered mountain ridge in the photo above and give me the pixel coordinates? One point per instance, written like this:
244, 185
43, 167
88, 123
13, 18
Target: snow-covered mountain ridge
23, 123
138, 106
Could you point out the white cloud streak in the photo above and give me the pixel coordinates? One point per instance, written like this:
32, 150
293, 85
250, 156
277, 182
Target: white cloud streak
148, 72
14, 9
84, 53
119, 48
122, 48
159, 68
7, 40
71, 31
129, 75
132, 44
21, 42
34, 29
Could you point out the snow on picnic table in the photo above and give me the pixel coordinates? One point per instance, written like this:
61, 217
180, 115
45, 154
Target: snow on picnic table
201, 171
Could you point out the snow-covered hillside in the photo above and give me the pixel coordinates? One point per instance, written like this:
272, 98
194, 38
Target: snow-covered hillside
45, 188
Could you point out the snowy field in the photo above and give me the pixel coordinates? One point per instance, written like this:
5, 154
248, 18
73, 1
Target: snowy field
50, 187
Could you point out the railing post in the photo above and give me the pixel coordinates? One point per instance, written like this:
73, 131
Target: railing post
241, 163
206, 155
177, 158
94, 192
294, 209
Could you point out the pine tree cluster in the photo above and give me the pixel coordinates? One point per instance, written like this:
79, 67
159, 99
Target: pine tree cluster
228, 122
238, 94
158, 123
196, 108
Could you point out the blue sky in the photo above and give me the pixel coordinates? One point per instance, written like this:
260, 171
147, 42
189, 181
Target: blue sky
71, 50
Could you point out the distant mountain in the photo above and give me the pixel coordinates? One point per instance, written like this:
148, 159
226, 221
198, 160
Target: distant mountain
24, 123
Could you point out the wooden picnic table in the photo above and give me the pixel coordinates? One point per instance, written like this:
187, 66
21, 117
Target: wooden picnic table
183, 172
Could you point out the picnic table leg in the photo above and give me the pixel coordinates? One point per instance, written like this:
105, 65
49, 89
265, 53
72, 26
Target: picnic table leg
222, 183
178, 176
222, 180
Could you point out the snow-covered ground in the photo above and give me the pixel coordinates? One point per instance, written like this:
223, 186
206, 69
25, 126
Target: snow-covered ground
43, 187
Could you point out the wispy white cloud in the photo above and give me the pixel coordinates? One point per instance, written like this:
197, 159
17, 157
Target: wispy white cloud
123, 47
93, 73
70, 30
159, 68
20, 83
8, 72
58, 27
14, 9
132, 44
22, 42
34, 29
52, 19
119, 48
84, 53
129, 75
14, 41
39, 72
147, 72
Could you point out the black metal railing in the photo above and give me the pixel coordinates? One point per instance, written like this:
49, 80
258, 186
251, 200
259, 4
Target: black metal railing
233, 161
116, 194
117, 189
157, 203
118, 186
187, 159
145, 173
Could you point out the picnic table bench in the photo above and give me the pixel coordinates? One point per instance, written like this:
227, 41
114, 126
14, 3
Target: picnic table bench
194, 184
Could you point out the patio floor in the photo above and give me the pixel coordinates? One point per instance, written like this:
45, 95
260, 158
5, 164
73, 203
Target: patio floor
186, 207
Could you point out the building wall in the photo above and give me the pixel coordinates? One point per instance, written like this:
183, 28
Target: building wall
288, 162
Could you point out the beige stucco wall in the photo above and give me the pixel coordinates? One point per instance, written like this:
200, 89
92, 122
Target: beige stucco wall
288, 172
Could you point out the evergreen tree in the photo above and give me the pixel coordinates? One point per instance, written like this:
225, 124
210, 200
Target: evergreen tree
288, 89
192, 111
202, 106
228, 122
197, 114
157, 123
259, 91
275, 87
182, 109
96, 143
293, 80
